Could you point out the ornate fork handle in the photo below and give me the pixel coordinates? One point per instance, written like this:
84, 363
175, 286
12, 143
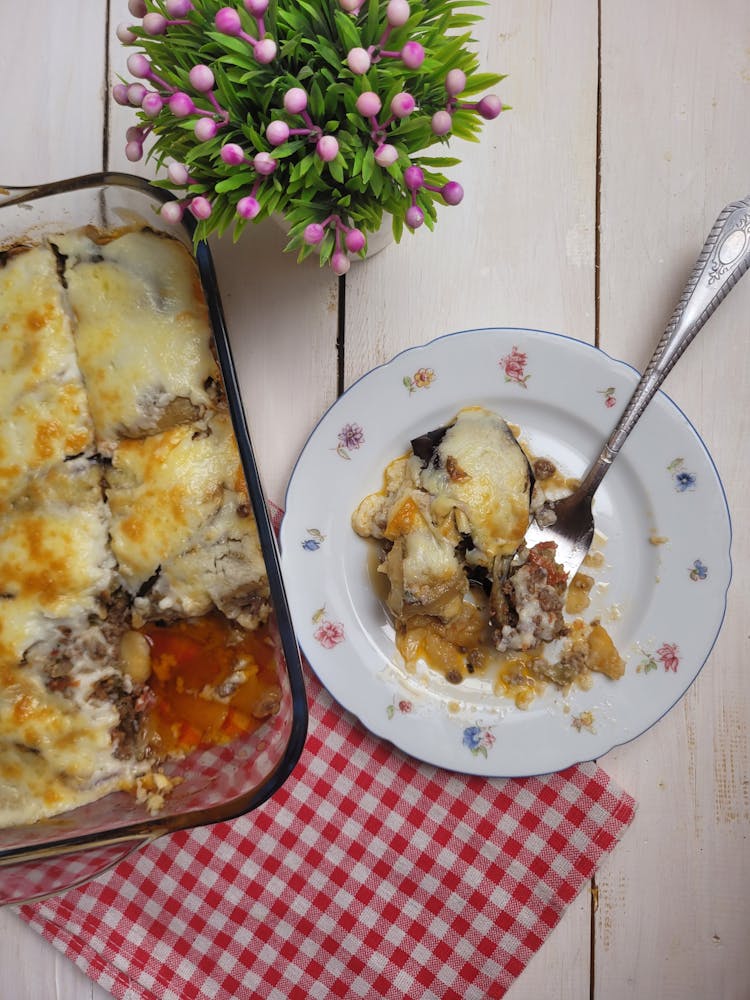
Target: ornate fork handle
725, 257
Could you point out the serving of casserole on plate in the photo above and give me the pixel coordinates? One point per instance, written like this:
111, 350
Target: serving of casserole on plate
411, 594
149, 677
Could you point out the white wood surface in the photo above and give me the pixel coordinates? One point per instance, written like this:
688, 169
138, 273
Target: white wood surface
672, 78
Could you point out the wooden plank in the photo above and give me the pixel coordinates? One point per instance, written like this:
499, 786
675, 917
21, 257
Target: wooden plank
52, 120
34, 969
674, 915
519, 251
283, 323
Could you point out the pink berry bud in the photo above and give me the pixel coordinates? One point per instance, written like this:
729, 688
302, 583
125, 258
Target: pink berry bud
181, 104
227, 21
134, 134
124, 34
178, 174
120, 94
248, 208
403, 104
340, 262
386, 155
232, 154
350, 6
313, 233
327, 148
455, 82
277, 132
152, 104
397, 13
139, 65
355, 240
358, 61
205, 129
452, 193
200, 207
134, 151
178, 8
369, 104
136, 93
490, 107
414, 217
137, 8
264, 164
295, 100
413, 178
256, 7
412, 55
442, 122
265, 51
201, 78
154, 24
171, 212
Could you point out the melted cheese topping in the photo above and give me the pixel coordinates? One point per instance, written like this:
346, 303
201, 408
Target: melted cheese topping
483, 473
56, 750
43, 406
142, 332
163, 488
122, 367
54, 558
221, 567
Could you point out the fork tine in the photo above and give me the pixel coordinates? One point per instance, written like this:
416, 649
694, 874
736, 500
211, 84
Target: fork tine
573, 540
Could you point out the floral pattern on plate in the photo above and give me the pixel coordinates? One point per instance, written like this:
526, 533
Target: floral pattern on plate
421, 379
313, 541
610, 399
351, 437
670, 601
478, 739
513, 365
328, 633
401, 705
698, 571
668, 654
683, 480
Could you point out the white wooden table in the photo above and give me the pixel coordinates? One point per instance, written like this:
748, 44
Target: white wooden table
584, 210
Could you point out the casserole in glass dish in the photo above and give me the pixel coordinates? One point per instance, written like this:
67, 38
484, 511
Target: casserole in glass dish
83, 220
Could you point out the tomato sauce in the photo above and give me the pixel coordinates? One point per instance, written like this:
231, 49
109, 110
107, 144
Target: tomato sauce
211, 682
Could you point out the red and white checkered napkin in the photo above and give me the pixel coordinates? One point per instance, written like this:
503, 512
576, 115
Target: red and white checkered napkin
366, 875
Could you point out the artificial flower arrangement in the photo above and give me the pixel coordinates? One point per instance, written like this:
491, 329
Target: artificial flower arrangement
323, 111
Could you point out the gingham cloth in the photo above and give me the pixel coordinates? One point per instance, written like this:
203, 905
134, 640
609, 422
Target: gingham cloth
367, 875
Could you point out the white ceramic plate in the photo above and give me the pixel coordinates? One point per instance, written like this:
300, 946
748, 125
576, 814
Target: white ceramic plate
662, 603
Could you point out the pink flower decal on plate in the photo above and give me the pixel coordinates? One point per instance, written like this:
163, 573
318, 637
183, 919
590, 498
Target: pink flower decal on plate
403, 706
514, 367
328, 633
668, 654
351, 437
609, 396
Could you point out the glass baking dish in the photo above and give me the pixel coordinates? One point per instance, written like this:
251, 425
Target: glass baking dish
216, 783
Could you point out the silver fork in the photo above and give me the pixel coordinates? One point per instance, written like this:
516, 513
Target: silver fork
725, 257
